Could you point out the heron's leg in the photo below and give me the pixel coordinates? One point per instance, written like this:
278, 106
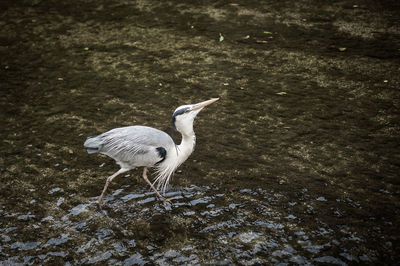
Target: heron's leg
152, 187
109, 179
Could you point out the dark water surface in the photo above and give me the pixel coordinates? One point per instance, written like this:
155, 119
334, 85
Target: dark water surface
298, 163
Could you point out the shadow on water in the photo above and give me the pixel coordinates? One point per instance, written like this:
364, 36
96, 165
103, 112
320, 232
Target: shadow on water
297, 163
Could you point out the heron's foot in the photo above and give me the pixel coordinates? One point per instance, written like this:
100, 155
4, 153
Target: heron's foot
167, 201
100, 201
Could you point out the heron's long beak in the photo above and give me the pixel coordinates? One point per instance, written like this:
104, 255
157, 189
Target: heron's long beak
204, 104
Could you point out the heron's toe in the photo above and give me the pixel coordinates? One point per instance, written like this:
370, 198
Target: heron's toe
100, 202
167, 201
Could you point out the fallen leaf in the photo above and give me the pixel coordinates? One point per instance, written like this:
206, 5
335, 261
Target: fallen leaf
267, 32
342, 49
86, 48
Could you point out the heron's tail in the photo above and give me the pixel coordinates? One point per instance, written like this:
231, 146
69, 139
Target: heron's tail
92, 144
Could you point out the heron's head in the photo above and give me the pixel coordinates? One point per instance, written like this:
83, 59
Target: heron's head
184, 115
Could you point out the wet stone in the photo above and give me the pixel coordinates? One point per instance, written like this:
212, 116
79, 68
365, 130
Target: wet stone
131, 196
23, 246
136, 259
54, 190
330, 259
101, 256
321, 199
77, 210
58, 240
26, 216
5, 238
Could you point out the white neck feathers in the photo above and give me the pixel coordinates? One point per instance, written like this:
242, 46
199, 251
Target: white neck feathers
174, 159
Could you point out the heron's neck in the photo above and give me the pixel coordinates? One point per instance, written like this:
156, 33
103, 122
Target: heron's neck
187, 146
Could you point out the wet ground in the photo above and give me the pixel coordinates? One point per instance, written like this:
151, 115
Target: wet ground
298, 163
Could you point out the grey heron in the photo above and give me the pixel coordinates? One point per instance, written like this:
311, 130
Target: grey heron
142, 146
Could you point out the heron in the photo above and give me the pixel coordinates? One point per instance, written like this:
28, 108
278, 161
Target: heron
141, 146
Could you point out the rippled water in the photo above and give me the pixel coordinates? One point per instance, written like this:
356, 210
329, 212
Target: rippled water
205, 224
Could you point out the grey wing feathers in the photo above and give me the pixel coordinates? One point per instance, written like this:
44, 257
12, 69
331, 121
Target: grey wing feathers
124, 143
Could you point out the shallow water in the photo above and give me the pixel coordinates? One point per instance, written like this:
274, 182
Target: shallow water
204, 224
296, 164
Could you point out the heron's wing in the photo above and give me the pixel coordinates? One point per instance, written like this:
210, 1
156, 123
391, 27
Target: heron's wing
126, 143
